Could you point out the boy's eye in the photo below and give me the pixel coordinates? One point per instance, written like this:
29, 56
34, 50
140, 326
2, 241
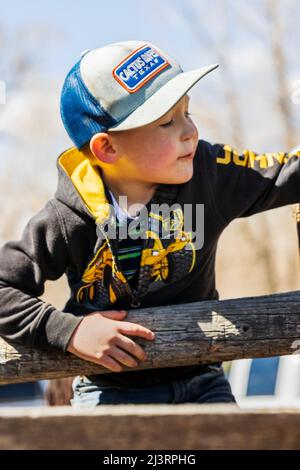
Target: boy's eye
167, 124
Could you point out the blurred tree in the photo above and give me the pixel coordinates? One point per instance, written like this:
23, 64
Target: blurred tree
30, 127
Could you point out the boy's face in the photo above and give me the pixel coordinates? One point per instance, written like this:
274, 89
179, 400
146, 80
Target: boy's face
157, 153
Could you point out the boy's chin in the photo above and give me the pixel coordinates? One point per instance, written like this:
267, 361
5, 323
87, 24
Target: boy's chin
184, 177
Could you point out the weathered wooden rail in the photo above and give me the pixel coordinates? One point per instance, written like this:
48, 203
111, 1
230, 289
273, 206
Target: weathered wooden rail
111, 427
186, 334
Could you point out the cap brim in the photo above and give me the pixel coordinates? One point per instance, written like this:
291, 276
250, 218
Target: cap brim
164, 99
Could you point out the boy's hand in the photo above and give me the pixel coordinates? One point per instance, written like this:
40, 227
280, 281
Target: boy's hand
100, 338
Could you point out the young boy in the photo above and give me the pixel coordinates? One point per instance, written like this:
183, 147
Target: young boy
125, 107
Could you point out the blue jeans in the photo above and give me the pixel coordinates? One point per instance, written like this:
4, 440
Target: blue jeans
209, 387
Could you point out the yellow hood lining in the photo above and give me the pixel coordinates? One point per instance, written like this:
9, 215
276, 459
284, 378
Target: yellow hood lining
87, 180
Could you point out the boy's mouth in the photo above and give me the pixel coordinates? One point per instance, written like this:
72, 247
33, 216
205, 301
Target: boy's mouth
188, 156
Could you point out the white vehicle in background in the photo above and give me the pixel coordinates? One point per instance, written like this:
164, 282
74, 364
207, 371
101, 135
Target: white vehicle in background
266, 382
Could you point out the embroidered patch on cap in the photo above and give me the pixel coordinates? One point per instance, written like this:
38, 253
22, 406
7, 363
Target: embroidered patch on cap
139, 67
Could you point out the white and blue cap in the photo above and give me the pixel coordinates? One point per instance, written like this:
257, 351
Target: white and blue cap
122, 86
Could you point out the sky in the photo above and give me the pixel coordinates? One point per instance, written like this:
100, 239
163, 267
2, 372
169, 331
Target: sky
72, 27
56, 32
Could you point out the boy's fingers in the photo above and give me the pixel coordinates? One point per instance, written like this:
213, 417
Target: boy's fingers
110, 364
133, 348
106, 361
136, 330
121, 356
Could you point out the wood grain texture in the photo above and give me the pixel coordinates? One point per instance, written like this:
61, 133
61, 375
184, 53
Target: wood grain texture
187, 426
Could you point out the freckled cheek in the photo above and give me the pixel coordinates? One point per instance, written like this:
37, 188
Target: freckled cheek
156, 155
149, 164
166, 150
163, 158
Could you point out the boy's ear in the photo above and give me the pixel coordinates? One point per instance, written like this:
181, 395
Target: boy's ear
101, 146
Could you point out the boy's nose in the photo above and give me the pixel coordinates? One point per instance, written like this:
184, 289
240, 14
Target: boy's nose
190, 131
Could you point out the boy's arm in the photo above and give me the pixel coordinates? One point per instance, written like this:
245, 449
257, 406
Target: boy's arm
245, 183
41, 254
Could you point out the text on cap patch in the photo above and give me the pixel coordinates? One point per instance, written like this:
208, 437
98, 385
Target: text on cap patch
139, 67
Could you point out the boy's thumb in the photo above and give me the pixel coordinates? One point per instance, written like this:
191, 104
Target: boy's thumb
114, 314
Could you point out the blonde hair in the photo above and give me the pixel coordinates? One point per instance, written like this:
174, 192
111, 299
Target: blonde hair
89, 154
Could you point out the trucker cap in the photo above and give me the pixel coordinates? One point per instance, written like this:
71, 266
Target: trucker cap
122, 86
